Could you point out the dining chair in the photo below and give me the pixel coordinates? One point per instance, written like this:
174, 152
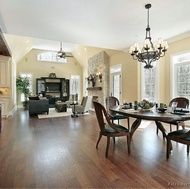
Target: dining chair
109, 129
181, 136
113, 101
182, 102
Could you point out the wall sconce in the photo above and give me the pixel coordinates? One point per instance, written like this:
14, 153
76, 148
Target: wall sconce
92, 78
99, 75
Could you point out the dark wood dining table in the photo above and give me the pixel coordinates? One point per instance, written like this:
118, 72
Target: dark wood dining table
153, 115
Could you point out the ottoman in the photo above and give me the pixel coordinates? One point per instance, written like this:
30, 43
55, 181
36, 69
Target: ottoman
60, 106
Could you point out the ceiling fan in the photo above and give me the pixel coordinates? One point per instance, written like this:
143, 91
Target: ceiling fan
62, 54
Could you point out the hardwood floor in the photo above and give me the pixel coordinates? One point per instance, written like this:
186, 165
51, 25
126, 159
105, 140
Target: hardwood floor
61, 153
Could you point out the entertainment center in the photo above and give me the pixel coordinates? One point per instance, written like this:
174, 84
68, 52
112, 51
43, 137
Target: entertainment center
53, 89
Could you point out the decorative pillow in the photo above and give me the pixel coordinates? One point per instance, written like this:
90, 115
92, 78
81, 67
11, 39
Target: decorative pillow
33, 98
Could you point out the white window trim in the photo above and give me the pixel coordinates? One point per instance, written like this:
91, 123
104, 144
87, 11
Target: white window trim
172, 70
120, 72
157, 81
50, 57
79, 95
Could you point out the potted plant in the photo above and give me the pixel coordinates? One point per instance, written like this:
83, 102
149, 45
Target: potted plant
23, 84
52, 75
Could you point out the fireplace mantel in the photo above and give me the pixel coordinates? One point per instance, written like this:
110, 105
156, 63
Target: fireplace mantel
94, 88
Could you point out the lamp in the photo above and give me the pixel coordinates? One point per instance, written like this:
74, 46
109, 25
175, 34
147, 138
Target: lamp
99, 75
148, 53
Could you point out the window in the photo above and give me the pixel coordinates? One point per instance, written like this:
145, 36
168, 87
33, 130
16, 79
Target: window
50, 57
29, 76
115, 76
181, 75
150, 83
75, 85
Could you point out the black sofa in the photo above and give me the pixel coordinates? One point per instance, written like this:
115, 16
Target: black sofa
38, 106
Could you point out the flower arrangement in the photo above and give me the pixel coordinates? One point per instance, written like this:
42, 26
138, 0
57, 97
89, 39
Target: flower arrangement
92, 78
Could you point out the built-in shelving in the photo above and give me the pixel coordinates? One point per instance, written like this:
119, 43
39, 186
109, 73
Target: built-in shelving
53, 88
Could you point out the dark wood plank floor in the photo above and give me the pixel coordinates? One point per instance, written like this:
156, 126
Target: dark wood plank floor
61, 153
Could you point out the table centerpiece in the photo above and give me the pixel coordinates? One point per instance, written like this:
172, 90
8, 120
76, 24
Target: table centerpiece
145, 105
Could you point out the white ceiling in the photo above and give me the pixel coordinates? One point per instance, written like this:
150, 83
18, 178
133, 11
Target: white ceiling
112, 24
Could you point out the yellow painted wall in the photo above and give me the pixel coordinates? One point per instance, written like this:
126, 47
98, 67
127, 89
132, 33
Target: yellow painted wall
130, 75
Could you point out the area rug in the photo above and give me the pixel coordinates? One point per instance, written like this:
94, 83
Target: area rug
54, 113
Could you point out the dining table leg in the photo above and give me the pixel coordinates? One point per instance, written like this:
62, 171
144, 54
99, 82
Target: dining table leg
162, 129
134, 126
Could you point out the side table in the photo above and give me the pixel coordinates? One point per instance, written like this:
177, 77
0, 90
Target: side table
74, 103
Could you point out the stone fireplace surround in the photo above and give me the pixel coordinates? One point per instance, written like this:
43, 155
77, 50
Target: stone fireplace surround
99, 63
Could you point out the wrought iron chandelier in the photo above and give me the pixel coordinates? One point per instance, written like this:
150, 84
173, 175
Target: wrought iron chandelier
148, 53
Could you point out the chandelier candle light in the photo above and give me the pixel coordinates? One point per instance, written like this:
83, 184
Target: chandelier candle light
148, 53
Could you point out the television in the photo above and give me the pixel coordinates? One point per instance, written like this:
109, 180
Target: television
53, 87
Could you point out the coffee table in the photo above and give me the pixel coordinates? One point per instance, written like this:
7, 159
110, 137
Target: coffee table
61, 107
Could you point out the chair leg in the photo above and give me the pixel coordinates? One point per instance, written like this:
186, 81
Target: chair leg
177, 127
156, 130
171, 128
182, 124
128, 122
114, 140
168, 148
187, 148
100, 136
128, 144
107, 147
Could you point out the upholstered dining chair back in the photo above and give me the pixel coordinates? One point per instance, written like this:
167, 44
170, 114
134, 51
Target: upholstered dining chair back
110, 102
101, 114
113, 101
182, 102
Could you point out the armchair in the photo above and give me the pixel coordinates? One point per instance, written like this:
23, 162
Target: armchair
84, 106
